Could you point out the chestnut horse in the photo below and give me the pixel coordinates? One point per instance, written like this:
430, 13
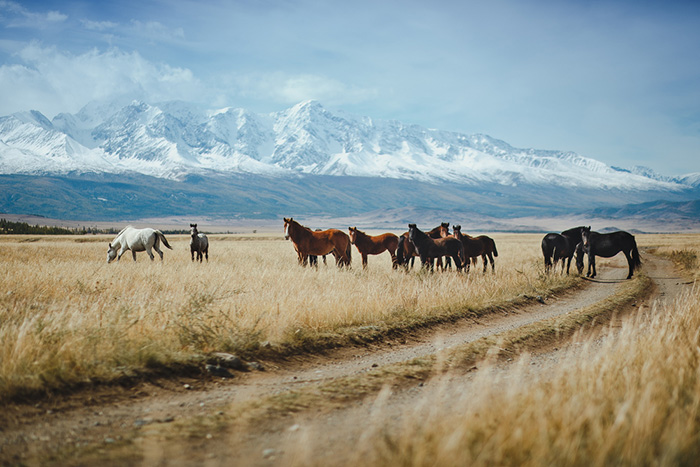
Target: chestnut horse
406, 251
374, 244
474, 247
430, 248
307, 242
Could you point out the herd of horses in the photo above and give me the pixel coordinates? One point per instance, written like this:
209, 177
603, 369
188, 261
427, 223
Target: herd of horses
437, 247
431, 247
582, 240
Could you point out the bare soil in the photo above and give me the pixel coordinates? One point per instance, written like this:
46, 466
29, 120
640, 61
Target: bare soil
89, 426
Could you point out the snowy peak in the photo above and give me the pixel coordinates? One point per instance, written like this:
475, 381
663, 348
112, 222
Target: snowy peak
172, 139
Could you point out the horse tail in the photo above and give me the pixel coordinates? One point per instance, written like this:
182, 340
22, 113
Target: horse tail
636, 260
348, 251
163, 239
495, 251
547, 253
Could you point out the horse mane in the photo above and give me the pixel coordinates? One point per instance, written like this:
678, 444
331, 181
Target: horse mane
574, 233
122, 231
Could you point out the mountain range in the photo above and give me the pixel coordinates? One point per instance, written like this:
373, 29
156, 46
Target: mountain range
134, 160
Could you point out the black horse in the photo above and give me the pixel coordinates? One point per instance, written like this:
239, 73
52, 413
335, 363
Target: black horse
406, 251
430, 248
608, 245
561, 247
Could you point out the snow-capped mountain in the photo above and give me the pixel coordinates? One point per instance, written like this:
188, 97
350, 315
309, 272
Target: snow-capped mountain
175, 139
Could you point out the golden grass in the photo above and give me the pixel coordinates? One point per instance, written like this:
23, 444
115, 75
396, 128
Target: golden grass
67, 317
631, 397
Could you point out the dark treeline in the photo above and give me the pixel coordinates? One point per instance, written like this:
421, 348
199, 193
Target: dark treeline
23, 228
20, 228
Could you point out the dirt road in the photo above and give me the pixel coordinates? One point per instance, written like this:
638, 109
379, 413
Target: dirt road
103, 418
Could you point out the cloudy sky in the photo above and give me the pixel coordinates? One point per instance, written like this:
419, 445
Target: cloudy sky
617, 81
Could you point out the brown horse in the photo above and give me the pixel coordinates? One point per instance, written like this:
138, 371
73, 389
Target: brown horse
407, 252
307, 242
374, 244
474, 247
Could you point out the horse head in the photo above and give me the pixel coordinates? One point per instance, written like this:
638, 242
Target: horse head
111, 254
457, 230
445, 229
193, 230
353, 234
412, 232
585, 236
287, 222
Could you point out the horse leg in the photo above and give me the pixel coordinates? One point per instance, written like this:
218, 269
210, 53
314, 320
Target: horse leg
158, 250
485, 261
206, 253
458, 262
591, 264
394, 264
364, 261
121, 252
192, 253
629, 263
493, 263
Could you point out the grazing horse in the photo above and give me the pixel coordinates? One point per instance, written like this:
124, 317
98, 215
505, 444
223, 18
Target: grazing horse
561, 247
474, 247
136, 240
307, 242
199, 244
607, 246
374, 244
430, 248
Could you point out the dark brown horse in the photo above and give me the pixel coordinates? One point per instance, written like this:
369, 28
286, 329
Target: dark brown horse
432, 248
561, 247
474, 247
374, 244
406, 251
307, 242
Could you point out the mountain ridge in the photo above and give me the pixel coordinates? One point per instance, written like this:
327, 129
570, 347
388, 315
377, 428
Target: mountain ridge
135, 160
173, 139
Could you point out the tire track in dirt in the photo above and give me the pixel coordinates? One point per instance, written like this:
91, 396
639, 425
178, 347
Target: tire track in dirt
33, 431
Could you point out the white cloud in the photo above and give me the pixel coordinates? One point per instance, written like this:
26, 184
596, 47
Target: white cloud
53, 81
15, 15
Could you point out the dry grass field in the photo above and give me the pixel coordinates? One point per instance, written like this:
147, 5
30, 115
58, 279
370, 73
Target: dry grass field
630, 397
67, 317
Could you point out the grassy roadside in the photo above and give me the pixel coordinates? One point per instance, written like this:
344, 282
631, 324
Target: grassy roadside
503, 345
68, 320
338, 393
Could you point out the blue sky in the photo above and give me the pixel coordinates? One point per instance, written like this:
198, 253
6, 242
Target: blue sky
617, 81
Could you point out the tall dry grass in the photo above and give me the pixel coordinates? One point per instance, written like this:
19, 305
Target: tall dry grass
67, 317
631, 397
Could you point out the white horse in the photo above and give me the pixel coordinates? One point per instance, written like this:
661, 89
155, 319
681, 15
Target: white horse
199, 243
136, 240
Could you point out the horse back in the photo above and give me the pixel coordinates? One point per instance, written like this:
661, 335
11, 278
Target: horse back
610, 244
